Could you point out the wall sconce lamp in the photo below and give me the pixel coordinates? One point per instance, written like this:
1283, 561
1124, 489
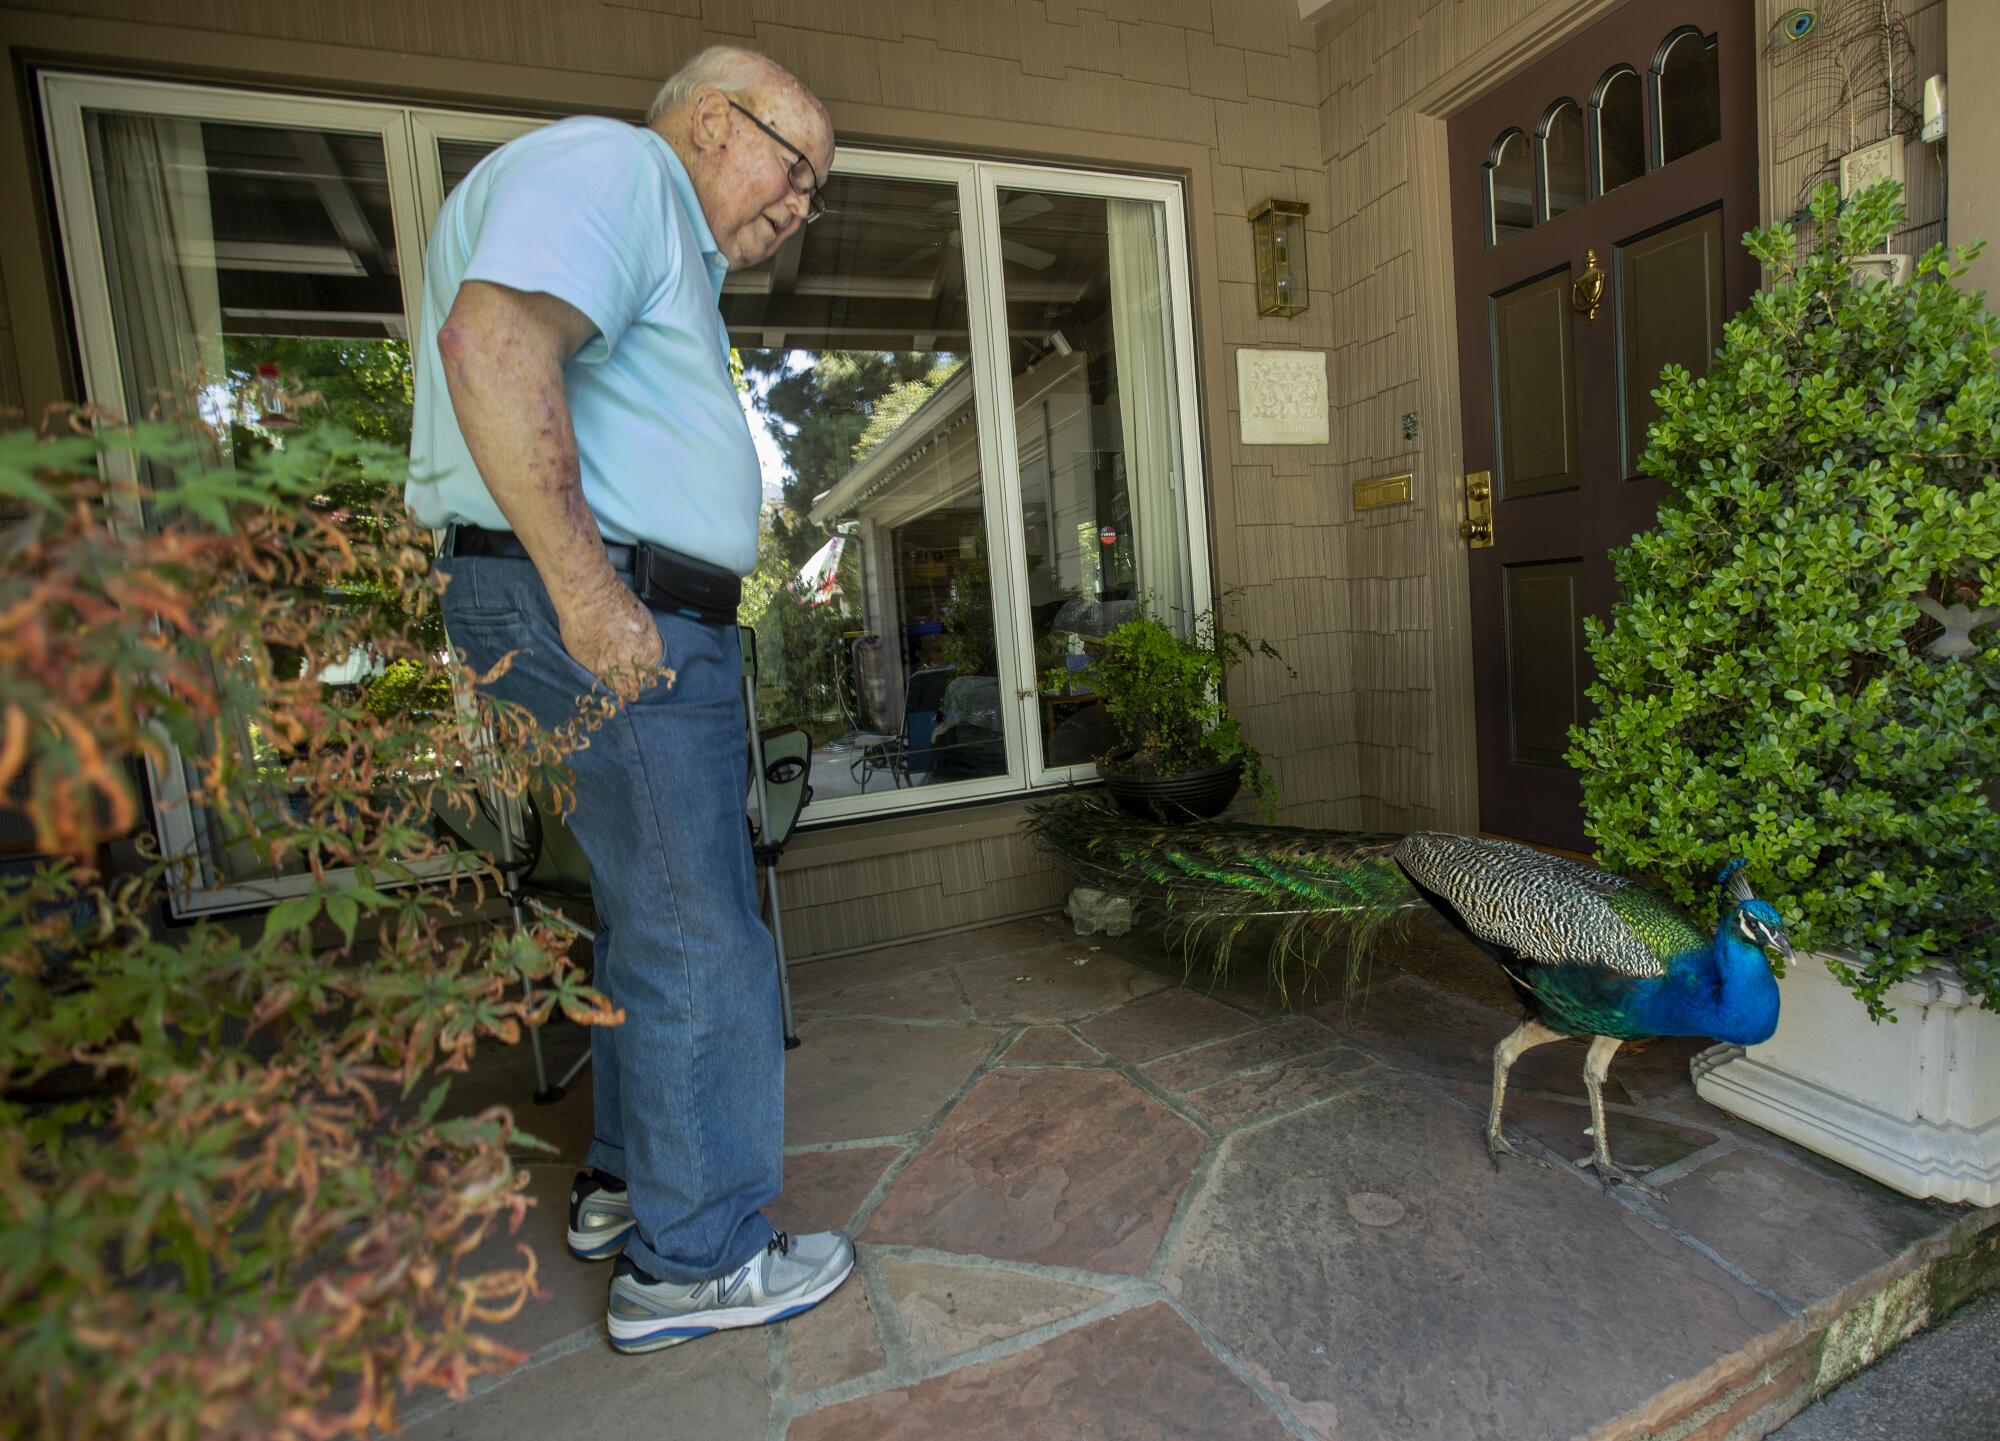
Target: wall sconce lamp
1279, 227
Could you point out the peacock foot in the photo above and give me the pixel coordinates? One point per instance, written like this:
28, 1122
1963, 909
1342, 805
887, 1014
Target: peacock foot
1498, 1145
1610, 1173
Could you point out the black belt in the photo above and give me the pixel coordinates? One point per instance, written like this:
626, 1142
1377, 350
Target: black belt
664, 579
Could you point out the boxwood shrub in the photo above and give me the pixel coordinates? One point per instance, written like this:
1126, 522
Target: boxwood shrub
1775, 681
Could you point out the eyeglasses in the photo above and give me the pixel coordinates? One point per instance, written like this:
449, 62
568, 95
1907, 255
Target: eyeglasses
805, 179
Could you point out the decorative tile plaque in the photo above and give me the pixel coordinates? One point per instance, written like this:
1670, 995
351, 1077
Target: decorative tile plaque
1881, 161
1282, 396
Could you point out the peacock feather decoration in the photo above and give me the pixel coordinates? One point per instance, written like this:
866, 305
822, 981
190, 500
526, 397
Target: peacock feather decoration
1590, 954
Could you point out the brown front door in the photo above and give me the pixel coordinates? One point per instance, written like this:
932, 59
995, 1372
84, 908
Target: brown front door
1635, 140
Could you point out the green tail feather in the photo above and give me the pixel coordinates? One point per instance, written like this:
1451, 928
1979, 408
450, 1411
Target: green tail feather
1318, 892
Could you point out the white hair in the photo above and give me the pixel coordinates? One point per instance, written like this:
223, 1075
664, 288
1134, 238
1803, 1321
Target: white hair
720, 67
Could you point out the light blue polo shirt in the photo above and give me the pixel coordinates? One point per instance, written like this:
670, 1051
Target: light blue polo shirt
601, 214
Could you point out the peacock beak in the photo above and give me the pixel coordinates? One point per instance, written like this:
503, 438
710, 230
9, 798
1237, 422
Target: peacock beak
1784, 946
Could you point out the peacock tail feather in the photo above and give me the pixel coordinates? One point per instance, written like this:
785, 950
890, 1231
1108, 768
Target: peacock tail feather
1308, 896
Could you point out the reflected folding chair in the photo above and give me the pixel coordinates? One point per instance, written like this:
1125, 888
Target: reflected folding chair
541, 866
907, 754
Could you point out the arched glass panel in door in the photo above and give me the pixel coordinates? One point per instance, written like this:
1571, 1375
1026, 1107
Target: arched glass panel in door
1687, 95
1560, 143
1617, 130
1509, 174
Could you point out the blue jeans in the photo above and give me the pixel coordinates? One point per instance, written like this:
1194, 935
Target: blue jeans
689, 1091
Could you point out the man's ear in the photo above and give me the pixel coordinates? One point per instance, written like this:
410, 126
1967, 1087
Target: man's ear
708, 125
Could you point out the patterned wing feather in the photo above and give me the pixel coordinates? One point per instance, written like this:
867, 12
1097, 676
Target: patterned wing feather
1548, 908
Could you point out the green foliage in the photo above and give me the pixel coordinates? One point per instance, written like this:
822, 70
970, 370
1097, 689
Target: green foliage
818, 415
1766, 687
802, 649
405, 685
967, 641
887, 413
1162, 690
229, 1188
364, 386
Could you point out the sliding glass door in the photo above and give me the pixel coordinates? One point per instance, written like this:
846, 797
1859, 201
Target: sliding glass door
1101, 491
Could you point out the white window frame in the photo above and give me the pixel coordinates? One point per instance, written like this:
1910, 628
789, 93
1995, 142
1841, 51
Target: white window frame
994, 177
65, 97
410, 136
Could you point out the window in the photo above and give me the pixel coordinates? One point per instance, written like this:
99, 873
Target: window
975, 387
1510, 188
1617, 130
1687, 95
1559, 141
972, 386
209, 235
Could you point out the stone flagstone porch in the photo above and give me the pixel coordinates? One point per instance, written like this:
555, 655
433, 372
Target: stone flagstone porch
1093, 1202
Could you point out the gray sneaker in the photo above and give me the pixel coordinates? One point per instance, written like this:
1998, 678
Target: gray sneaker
793, 1274
600, 1217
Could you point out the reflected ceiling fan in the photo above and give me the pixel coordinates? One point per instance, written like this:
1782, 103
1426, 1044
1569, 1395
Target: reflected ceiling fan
943, 222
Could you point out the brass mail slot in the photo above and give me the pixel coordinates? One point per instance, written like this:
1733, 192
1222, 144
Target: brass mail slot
1374, 494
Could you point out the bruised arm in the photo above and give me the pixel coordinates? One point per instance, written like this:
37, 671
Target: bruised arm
503, 352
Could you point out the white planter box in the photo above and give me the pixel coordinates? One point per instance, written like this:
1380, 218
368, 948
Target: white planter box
1915, 1104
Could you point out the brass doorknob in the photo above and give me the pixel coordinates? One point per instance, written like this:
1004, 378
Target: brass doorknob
1477, 527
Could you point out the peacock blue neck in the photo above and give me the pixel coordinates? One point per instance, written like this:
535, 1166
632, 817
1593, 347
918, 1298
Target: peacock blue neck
1743, 1004
1747, 1012
1725, 991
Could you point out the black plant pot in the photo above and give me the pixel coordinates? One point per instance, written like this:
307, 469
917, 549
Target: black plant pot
1190, 796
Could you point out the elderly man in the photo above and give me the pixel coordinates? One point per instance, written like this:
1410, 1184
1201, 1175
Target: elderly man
578, 432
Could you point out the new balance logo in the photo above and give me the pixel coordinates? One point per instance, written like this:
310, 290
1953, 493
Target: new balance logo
725, 1291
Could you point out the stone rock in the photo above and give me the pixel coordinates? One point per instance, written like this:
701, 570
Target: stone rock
1091, 911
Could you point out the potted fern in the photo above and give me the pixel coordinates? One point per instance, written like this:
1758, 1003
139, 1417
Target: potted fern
1181, 752
1804, 670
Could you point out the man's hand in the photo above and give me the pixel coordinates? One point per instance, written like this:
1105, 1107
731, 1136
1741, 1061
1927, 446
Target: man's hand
611, 634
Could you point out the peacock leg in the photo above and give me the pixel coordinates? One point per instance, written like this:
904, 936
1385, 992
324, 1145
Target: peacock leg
1596, 1066
1529, 1034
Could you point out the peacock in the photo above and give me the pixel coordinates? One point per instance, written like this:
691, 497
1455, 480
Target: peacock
1591, 954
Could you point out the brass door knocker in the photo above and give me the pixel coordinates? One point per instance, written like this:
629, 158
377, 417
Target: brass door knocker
1587, 290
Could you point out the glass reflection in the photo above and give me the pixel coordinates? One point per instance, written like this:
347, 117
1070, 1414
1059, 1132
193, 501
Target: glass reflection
872, 601
1690, 96
253, 269
1097, 425
1621, 137
1562, 160
1510, 189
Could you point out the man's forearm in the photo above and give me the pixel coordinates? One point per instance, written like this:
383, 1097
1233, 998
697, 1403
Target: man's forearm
507, 392
503, 352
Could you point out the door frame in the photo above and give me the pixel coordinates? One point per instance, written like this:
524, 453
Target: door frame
1439, 483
